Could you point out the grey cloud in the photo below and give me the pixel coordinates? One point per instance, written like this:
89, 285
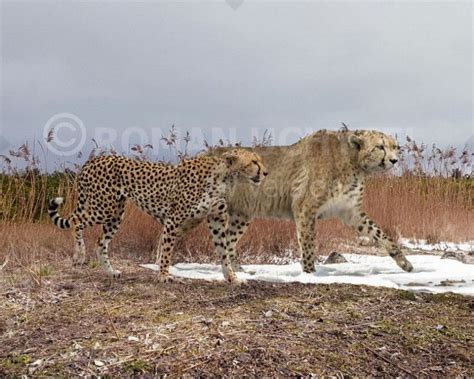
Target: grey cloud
279, 65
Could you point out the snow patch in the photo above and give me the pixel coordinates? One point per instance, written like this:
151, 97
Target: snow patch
430, 274
441, 246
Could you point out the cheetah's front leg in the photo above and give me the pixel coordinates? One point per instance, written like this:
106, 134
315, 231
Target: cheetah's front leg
217, 225
305, 222
183, 230
367, 228
166, 245
235, 229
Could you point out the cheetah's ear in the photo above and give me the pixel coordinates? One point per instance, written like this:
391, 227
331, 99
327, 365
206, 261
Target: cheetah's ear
356, 141
230, 157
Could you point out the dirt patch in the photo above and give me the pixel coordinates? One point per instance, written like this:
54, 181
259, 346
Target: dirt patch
76, 322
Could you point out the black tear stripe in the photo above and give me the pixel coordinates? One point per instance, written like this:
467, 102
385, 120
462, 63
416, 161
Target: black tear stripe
384, 151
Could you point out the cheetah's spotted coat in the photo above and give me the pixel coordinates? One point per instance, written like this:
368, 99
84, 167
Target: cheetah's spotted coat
321, 176
178, 196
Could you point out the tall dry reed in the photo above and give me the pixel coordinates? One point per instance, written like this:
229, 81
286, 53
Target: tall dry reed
430, 197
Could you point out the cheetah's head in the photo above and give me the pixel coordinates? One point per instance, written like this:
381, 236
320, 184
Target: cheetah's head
376, 151
246, 164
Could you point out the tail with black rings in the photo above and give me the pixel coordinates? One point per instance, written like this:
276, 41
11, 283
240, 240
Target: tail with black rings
62, 223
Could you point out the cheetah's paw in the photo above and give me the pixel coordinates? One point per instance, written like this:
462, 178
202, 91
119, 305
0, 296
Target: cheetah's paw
114, 274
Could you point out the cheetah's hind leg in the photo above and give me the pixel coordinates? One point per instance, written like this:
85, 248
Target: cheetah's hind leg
79, 258
109, 229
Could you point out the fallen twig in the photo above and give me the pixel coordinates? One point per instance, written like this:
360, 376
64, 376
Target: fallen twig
103, 303
380, 356
196, 365
4, 264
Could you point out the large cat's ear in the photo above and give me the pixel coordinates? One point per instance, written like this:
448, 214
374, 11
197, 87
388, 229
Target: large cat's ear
356, 142
230, 157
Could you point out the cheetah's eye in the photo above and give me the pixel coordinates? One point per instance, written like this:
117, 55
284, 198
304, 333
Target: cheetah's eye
381, 147
254, 162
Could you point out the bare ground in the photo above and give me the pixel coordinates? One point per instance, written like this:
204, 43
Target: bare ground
73, 321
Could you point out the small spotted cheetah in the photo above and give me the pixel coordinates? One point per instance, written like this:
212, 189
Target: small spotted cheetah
179, 196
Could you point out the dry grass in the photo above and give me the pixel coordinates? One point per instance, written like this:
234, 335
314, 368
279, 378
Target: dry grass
76, 323
56, 320
432, 197
411, 205
430, 208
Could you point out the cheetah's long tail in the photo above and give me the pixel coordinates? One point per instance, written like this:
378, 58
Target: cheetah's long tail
62, 223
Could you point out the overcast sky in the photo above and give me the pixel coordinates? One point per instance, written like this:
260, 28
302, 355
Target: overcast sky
290, 67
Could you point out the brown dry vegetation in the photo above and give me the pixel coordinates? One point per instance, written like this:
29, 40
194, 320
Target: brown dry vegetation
56, 320
76, 323
436, 209
432, 197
